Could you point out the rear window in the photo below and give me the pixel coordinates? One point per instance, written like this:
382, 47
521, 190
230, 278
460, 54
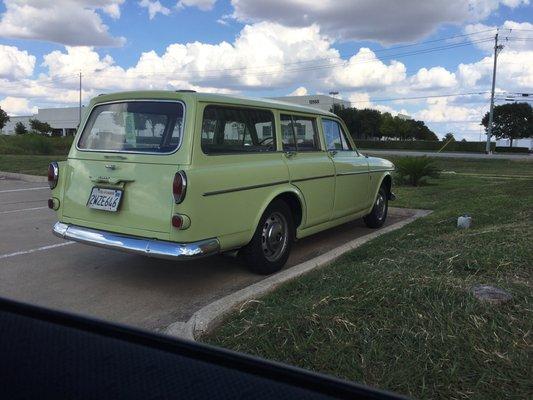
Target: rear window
135, 126
237, 130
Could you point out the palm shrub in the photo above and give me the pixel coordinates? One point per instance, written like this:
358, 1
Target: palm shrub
414, 170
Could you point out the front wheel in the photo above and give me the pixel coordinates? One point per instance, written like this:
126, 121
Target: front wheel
271, 244
378, 215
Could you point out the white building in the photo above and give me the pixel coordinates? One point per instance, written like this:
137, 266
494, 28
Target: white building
320, 101
526, 142
63, 121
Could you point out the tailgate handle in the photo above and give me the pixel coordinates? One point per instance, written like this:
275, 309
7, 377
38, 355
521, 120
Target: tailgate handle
110, 180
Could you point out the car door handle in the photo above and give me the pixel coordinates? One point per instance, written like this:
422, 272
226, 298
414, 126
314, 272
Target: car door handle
290, 154
332, 153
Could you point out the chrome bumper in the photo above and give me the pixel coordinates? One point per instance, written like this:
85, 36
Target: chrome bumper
131, 244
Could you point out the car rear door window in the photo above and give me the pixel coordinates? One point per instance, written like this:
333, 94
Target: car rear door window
237, 130
335, 137
299, 133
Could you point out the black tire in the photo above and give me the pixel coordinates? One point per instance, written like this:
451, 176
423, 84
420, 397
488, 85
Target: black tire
276, 228
378, 215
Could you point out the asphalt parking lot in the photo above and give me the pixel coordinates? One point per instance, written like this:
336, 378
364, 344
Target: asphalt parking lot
38, 268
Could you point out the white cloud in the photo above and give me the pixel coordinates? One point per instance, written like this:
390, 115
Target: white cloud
17, 106
204, 5
154, 8
67, 22
263, 55
14, 63
433, 78
301, 91
365, 70
362, 100
439, 110
380, 20
514, 72
510, 35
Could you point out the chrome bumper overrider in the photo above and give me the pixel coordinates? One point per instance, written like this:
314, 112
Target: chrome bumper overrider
148, 247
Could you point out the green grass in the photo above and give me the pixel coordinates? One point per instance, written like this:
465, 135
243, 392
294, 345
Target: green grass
397, 313
480, 166
34, 144
32, 165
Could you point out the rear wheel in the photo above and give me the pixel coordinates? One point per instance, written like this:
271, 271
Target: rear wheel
271, 244
378, 215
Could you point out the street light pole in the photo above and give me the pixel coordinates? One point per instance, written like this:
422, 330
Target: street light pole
491, 112
333, 94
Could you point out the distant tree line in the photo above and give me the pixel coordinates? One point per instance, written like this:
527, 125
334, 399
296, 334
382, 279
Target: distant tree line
372, 124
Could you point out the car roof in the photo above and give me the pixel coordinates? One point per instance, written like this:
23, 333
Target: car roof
211, 98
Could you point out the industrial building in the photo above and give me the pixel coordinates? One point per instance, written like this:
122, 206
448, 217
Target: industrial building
64, 121
323, 102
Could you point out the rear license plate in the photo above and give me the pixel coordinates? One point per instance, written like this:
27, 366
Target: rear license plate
104, 199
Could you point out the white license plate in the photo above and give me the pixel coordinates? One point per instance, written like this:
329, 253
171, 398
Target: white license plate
104, 199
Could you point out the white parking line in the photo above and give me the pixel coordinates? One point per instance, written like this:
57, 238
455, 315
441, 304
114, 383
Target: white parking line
21, 190
22, 209
18, 253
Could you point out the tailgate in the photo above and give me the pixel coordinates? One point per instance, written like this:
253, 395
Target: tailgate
146, 202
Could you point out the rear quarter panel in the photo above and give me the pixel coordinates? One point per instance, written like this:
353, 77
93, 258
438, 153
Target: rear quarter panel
226, 193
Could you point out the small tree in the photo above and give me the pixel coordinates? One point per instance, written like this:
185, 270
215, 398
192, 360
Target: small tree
20, 128
511, 121
448, 137
4, 118
414, 170
39, 127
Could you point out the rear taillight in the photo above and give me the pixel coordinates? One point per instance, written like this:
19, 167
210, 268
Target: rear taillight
177, 221
179, 186
53, 174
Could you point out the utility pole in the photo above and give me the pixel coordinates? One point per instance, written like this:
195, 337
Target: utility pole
79, 115
497, 48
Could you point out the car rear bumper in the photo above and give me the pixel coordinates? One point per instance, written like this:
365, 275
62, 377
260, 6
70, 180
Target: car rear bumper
136, 245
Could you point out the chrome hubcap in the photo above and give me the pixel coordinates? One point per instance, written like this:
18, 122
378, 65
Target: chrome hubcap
274, 236
380, 206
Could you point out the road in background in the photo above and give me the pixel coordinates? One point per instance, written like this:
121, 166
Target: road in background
38, 268
410, 153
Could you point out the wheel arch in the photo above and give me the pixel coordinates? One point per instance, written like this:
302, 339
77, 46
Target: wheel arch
294, 199
385, 179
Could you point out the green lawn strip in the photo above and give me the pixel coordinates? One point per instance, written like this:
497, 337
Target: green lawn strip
27, 164
397, 313
480, 166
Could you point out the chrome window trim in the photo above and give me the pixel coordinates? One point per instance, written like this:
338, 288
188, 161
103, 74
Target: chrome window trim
133, 152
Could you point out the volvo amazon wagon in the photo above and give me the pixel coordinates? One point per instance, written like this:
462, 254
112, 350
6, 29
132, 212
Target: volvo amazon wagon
182, 175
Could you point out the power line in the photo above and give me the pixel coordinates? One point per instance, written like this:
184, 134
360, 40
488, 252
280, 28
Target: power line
421, 97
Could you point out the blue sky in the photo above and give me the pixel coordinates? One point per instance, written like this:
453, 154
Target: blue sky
367, 50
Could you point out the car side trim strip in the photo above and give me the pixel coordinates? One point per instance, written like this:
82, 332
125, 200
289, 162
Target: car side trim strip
242, 188
312, 178
239, 189
352, 173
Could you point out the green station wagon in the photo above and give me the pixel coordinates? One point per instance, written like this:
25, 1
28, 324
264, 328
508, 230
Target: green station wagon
181, 175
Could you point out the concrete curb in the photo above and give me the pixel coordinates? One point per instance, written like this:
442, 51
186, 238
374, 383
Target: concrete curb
23, 177
206, 318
